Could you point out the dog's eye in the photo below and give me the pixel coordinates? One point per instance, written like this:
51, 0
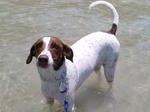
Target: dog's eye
39, 45
55, 46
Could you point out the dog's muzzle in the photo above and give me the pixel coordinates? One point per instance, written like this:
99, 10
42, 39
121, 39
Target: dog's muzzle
43, 61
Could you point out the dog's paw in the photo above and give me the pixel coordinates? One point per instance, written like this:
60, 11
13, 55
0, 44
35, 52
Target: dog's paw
104, 88
47, 101
43, 101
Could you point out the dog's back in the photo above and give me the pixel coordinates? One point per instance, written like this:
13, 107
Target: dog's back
94, 50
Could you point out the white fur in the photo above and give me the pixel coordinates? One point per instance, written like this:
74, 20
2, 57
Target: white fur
114, 12
90, 52
94, 50
46, 40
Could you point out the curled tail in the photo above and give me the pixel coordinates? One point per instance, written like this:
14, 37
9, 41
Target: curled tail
114, 13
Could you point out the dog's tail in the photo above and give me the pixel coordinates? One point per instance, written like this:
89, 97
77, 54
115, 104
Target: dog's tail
114, 12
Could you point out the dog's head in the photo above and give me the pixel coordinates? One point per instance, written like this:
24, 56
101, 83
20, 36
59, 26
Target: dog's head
50, 51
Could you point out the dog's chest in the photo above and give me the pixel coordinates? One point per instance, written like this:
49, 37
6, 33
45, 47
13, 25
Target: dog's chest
52, 81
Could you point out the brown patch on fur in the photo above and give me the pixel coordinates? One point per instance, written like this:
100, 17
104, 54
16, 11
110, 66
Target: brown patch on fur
113, 29
58, 50
35, 50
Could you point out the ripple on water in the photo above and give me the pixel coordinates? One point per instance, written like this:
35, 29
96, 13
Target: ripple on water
23, 21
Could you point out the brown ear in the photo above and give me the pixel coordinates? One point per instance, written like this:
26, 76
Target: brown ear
32, 53
68, 52
29, 59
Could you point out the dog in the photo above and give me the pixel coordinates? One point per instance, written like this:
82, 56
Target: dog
63, 69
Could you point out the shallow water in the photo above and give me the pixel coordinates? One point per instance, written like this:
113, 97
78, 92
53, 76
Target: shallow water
24, 21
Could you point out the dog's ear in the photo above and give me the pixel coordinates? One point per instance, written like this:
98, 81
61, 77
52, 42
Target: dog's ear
32, 53
68, 52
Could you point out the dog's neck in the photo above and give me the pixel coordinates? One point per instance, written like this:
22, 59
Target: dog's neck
57, 65
50, 74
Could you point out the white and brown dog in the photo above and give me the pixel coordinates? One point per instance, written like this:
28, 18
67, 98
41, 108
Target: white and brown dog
63, 69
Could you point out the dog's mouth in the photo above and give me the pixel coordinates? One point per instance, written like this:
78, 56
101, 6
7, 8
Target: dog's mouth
43, 65
43, 61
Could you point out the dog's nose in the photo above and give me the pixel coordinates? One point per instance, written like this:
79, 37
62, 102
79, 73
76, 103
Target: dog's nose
43, 61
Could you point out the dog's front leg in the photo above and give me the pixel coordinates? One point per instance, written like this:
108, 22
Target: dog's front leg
69, 102
73, 108
49, 100
69, 106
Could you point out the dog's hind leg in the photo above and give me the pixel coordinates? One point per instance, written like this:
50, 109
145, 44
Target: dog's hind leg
103, 86
109, 71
